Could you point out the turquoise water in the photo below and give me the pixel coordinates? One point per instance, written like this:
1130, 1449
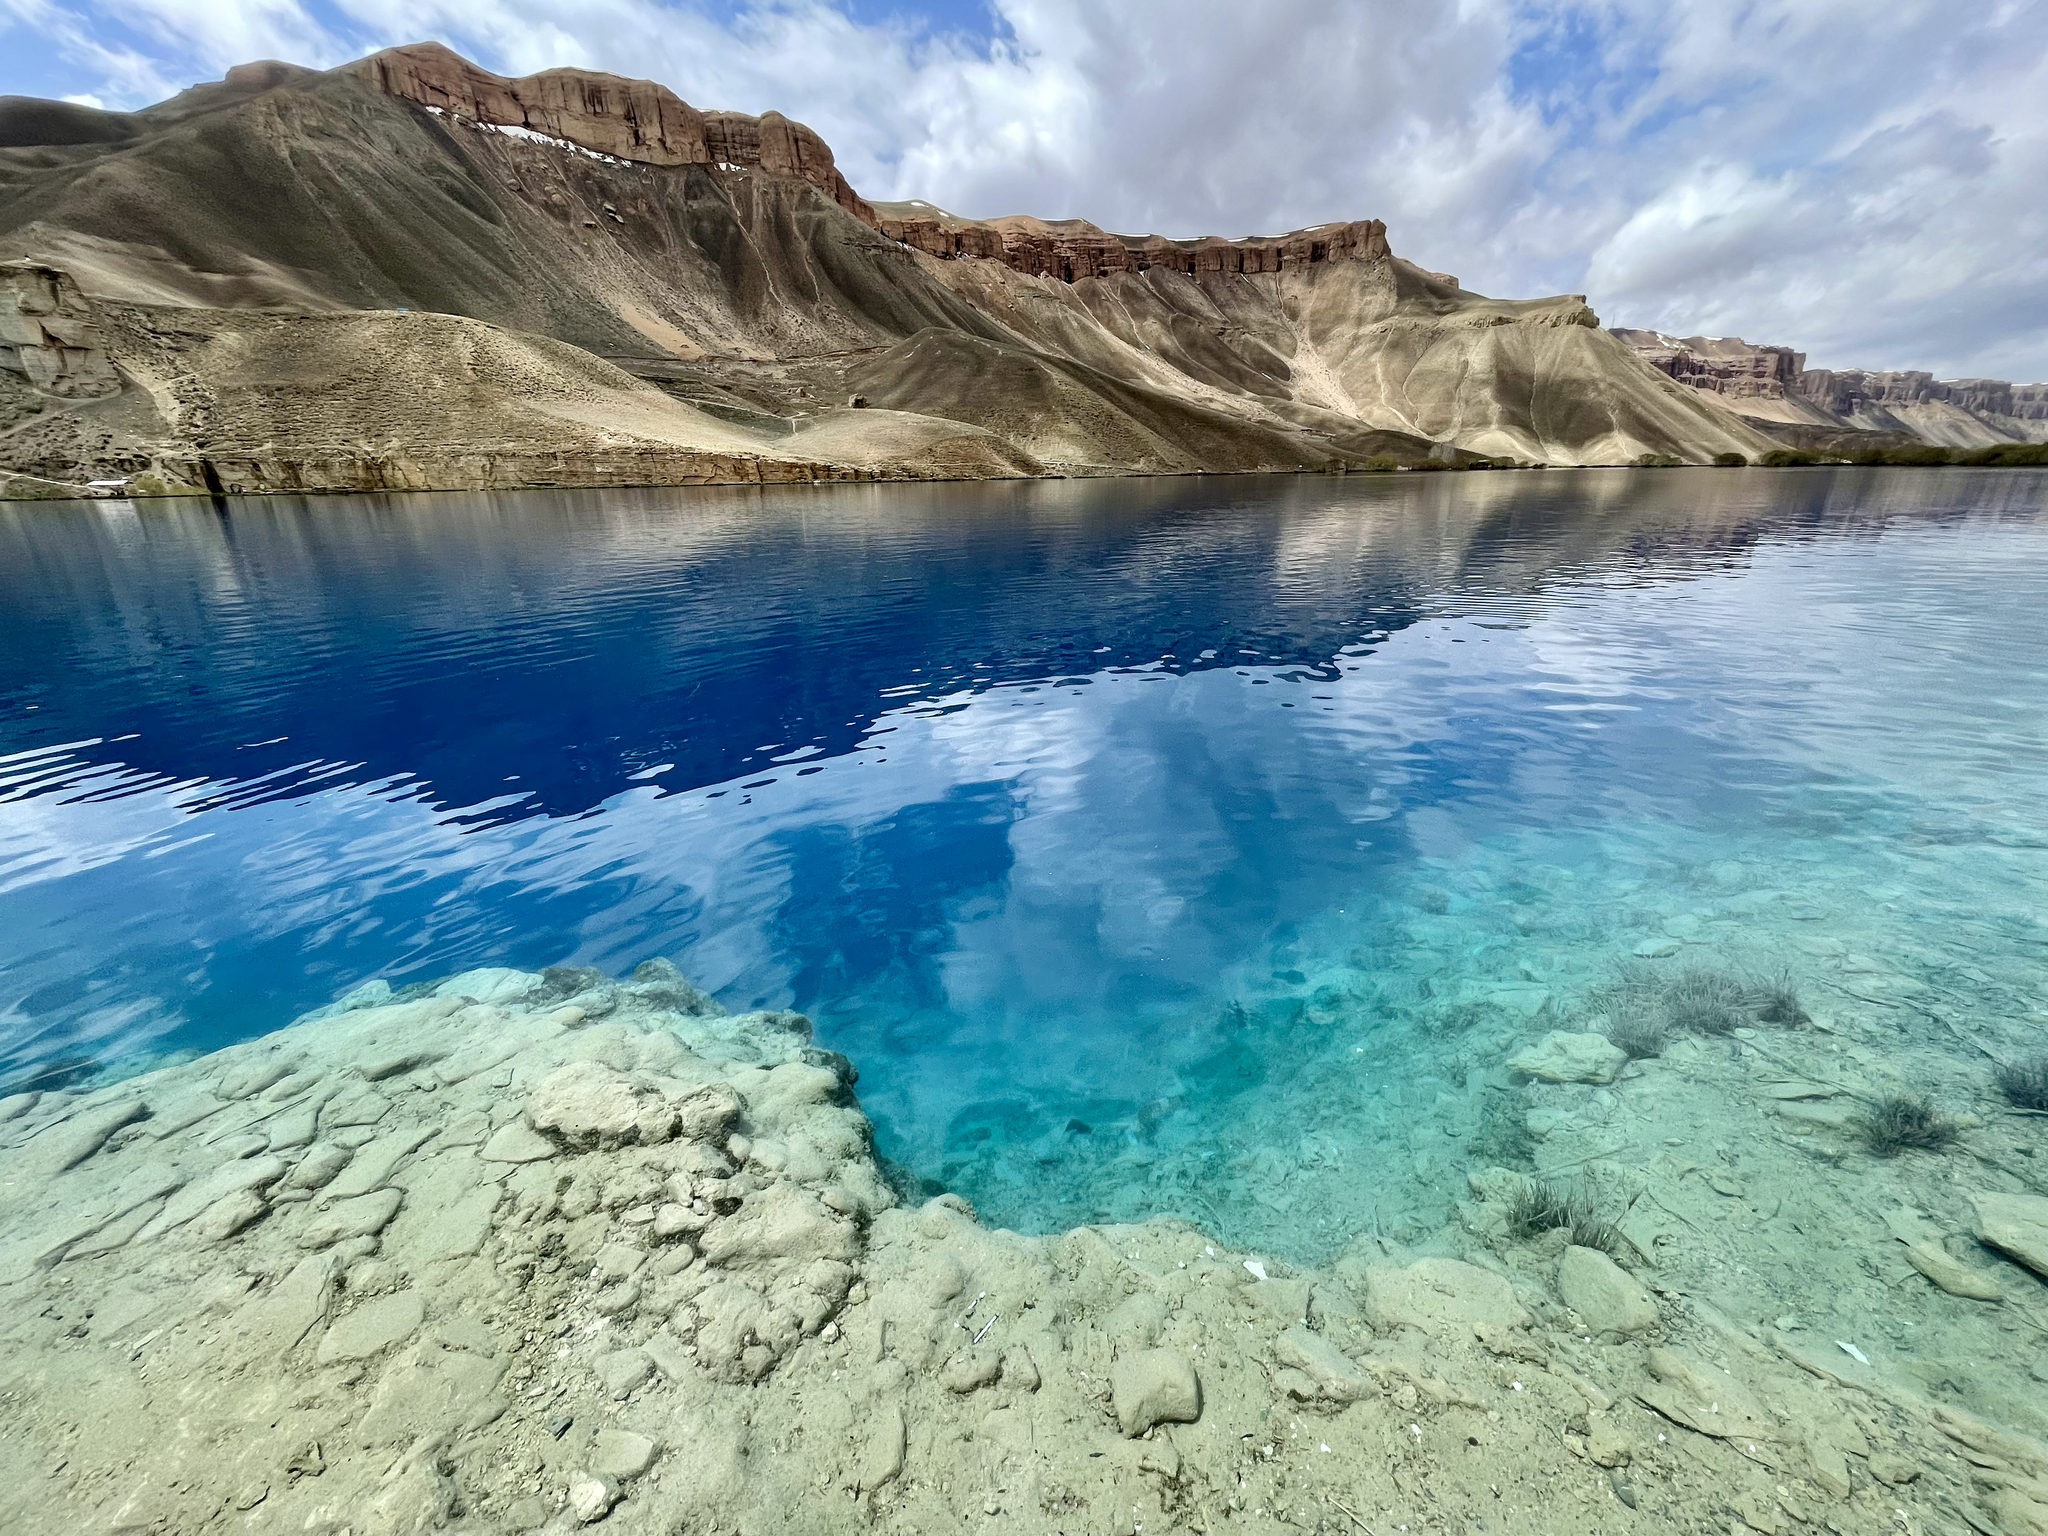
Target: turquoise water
1190, 846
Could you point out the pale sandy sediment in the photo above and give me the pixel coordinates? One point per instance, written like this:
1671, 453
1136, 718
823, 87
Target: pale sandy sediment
532, 1252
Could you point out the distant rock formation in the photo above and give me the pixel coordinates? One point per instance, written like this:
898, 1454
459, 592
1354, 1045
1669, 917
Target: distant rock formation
1850, 392
1773, 386
1072, 249
633, 120
1724, 365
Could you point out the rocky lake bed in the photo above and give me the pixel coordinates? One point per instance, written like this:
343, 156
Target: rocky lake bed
546, 1251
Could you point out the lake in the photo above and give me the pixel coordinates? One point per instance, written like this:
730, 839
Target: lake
1191, 846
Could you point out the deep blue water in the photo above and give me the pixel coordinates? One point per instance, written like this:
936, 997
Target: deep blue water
1099, 822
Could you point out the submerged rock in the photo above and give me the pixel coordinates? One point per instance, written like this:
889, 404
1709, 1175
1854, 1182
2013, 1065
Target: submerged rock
2016, 1225
1924, 1251
1606, 1297
1564, 1057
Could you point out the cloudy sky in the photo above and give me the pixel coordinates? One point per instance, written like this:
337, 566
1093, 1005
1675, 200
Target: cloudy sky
1862, 180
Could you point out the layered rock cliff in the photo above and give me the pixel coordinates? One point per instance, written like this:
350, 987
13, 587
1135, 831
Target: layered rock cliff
1072, 249
411, 271
1773, 386
1724, 365
633, 120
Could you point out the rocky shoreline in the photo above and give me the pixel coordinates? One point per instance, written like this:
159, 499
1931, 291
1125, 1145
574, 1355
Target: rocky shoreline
535, 1252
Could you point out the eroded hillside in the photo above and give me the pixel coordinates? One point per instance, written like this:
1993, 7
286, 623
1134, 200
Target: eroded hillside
252, 260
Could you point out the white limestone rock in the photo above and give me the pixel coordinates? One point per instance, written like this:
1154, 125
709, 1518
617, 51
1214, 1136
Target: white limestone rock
622, 1454
2016, 1225
1606, 1297
364, 1216
1564, 1057
1924, 1251
317, 1168
1443, 1297
517, 1142
587, 1104
1703, 1397
490, 984
1332, 1372
1155, 1386
591, 1497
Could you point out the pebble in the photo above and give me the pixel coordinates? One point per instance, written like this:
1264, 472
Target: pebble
622, 1454
622, 1370
591, 1498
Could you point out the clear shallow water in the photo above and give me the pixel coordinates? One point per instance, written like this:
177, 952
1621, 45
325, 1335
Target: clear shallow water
1193, 846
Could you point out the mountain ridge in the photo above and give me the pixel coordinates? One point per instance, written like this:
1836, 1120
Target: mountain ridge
1772, 387
745, 312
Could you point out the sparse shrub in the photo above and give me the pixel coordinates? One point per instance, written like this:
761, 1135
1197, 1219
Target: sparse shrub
2025, 1083
1649, 1002
2009, 454
1538, 1206
1633, 987
1588, 1228
1731, 461
1706, 1002
1774, 999
1381, 463
1904, 1122
1542, 1205
1639, 1037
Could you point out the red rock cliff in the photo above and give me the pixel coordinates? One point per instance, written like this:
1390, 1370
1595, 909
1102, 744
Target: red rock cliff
1071, 249
630, 119
1723, 365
